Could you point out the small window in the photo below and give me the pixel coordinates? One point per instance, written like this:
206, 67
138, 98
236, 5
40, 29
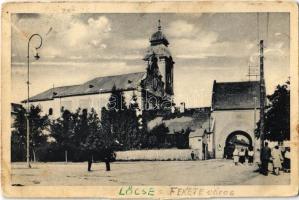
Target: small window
84, 111
50, 111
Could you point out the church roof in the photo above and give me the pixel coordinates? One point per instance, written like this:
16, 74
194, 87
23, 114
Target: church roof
95, 86
235, 95
193, 119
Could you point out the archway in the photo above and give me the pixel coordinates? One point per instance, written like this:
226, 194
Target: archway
239, 139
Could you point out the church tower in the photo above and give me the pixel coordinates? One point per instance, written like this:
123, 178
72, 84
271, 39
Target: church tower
159, 49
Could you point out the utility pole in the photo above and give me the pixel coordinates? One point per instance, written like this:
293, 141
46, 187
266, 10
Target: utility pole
254, 117
262, 94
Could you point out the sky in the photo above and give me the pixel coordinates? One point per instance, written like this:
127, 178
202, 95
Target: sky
205, 47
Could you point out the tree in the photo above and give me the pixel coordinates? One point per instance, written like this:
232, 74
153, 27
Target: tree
18, 137
38, 125
132, 137
277, 116
157, 136
62, 131
94, 140
122, 124
117, 100
114, 119
80, 123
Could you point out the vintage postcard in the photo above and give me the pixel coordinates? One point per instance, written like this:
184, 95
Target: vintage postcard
159, 100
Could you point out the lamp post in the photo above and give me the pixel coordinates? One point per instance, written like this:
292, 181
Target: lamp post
28, 83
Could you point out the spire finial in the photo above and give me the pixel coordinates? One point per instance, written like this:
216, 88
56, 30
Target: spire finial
159, 25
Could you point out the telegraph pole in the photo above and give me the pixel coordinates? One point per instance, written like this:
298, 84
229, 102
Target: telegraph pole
262, 94
254, 117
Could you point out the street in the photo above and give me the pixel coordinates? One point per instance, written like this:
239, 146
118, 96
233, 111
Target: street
209, 172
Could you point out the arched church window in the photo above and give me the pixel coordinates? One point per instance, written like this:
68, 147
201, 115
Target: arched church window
50, 111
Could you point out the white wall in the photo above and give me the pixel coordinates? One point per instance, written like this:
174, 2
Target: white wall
230, 121
72, 103
156, 154
45, 105
195, 143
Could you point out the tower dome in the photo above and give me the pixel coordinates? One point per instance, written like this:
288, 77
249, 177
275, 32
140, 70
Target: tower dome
158, 37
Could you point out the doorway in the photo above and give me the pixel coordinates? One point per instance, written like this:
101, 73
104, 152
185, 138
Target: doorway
238, 139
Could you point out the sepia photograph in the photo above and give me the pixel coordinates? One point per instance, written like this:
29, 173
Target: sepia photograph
151, 99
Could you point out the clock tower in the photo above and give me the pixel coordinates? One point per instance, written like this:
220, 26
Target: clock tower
159, 48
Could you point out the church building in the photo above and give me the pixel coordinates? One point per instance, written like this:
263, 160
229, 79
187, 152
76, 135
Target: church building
152, 87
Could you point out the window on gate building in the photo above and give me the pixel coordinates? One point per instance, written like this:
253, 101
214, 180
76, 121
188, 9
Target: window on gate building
50, 111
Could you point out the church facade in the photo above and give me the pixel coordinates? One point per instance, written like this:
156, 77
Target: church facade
152, 87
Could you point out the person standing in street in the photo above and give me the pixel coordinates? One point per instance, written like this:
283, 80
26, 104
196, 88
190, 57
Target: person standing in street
242, 156
192, 155
250, 155
277, 160
265, 158
89, 157
236, 155
109, 156
286, 160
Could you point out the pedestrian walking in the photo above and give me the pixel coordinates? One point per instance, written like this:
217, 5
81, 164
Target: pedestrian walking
192, 155
286, 160
242, 156
277, 160
265, 158
250, 155
89, 161
236, 155
246, 153
109, 156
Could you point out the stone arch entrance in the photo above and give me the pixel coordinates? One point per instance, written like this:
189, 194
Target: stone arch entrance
240, 139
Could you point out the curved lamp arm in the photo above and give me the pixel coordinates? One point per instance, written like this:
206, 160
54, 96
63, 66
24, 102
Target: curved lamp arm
41, 40
39, 46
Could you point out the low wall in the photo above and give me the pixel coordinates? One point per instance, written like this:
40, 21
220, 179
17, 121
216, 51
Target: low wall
161, 154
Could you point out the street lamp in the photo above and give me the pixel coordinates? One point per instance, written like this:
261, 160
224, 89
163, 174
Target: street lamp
28, 83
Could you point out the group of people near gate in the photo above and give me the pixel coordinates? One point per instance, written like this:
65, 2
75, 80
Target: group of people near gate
278, 157
243, 154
